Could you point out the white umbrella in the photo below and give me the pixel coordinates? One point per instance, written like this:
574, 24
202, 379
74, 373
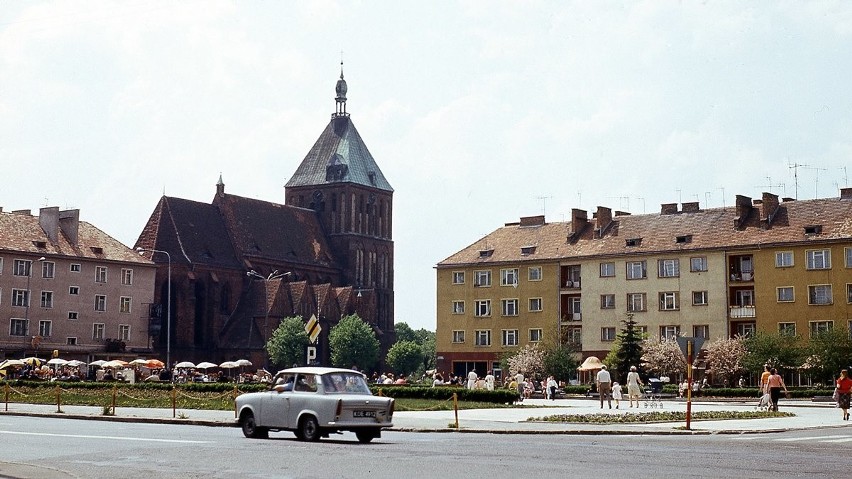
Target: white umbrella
185, 364
140, 362
229, 365
75, 363
10, 363
243, 362
206, 365
99, 363
115, 363
57, 362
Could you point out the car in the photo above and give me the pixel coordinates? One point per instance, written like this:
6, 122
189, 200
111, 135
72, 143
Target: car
314, 402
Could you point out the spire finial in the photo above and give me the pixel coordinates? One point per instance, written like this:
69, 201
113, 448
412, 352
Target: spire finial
340, 89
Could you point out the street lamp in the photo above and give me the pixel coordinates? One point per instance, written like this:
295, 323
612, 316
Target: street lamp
30, 294
266, 279
168, 305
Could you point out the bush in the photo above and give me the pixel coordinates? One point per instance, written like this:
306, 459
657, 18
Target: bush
497, 396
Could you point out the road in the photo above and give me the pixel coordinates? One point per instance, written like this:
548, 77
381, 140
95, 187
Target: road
49, 448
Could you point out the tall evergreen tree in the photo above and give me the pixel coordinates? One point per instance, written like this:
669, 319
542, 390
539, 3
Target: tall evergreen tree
629, 352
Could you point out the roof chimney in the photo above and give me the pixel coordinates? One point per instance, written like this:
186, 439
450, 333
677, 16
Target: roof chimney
845, 194
768, 207
579, 220
69, 222
48, 219
743, 210
668, 208
532, 220
691, 207
603, 218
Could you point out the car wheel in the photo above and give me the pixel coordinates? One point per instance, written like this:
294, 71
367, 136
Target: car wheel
250, 427
366, 435
309, 429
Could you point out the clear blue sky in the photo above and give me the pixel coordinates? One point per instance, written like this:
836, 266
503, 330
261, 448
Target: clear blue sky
478, 113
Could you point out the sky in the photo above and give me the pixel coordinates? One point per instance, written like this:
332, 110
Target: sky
477, 113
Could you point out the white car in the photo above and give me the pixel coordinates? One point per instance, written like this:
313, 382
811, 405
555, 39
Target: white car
314, 402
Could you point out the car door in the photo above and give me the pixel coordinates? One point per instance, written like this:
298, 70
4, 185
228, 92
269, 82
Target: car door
304, 397
275, 406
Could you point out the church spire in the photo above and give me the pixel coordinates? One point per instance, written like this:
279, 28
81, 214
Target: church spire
340, 99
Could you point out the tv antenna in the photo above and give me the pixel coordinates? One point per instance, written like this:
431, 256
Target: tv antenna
795, 167
543, 200
816, 180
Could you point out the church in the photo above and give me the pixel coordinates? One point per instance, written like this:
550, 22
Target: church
235, 267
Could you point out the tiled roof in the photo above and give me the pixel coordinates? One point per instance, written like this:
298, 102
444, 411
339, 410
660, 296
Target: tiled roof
21, 232
339, 148
717, 228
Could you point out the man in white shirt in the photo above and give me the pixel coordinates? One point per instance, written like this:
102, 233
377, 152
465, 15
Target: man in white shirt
519, 378
471, 379
489, 381
604, 381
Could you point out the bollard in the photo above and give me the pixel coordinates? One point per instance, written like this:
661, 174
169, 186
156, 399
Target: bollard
456, 408
58, 399
174, 402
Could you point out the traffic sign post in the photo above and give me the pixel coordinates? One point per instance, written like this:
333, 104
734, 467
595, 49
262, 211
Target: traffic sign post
687, 347
313, 328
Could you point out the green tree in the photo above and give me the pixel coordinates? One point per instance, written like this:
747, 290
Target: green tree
629, 352
404, 332
352, 342
782, 351
288, 344
561, 362
827, 353
405, 357
426, 340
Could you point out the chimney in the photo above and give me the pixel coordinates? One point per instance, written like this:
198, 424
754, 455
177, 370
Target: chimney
48, 219
69, 222
691, 207
579, 220
668, 208
532, 220
603, 217
768, 207
845, 194
743, 204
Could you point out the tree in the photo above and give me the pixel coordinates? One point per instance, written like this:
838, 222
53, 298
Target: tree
828, 352
426, 339
725, 357
405, 357
629, 352
782, 351
663, 358
404, 332
528, 360
288, 344
353, 342
561, 362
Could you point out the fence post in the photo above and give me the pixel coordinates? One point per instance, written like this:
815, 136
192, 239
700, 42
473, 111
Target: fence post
456, 408
235, 393
58, 399
174, 401
6, 387
114, 392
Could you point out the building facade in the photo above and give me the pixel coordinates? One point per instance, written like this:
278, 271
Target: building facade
761, 265
68, 287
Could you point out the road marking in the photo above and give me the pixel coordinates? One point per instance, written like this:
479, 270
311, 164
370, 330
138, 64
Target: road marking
846, 439
811, 438
120, 438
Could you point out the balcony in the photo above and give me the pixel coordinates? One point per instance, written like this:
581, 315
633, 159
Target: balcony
735, 312
571, 317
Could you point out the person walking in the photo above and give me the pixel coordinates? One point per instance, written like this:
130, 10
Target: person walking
616, 393
604, 382
489, 381
633, 386
774, 384
472, 377
764, 378
844, 391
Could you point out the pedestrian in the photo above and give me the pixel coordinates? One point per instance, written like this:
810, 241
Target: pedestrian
634, 391
604, 382
552, 386
489, 381
471, 379
764, 378
844, 388
616, 394
519, 380
774, 384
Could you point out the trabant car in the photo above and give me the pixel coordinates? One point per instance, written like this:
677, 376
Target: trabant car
314, 402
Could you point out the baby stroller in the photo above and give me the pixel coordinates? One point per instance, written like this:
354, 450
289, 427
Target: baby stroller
765, 403
654, 393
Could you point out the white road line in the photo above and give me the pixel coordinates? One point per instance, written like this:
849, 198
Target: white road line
119, 438
846, 439
811, 438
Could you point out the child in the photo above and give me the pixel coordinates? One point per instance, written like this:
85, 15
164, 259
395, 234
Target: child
616, 393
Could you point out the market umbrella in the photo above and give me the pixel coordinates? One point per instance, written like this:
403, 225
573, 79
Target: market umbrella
139, 362
154, 364
33, 361
11, 363
75, 363
229, 365
57, 362
115, 363
99, 363
185, 364
206, 365
243, 362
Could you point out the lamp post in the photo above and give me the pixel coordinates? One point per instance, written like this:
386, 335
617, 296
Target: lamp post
266, 279
30, 296
168, 305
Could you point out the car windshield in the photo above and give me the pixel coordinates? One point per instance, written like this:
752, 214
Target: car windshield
341, 382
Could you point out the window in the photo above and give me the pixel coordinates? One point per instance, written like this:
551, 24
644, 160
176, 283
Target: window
701, 331
20, 297
819, 294
100, 274
785, 294
642, 330
670, 331
535, 305
846, 251
819, 259
124, 304
633, 242
19, 327
607, 270
74, 290
482, 278
527, 250
73, 315
45, 328
574, 335
47, 299
534, 273
535, 335
458, 336
483, 337
483, 307
100, 302
698, 264
510, 337
126, 276
669, 301
607, 301
509, 307
819, 327
124, 332
746, 330
98, 331
635, 302
608, 334
1, 265
75, 268
637, 270
849, 293
47, 269
787, 329
71, 341
509, 277
458, 307
22, 267
699, 298
668, 268
458, 277
783, 259
683, 239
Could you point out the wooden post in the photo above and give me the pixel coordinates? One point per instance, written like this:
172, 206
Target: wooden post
235, 393
114, 393
456, 408
58, 399
174, 401
689, 382
6, 387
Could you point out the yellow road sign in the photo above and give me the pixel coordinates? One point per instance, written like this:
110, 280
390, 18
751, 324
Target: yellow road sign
313, 328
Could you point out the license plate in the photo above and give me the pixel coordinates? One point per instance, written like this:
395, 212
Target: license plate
363, 413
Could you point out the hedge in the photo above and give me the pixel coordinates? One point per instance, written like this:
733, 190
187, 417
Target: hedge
497, 396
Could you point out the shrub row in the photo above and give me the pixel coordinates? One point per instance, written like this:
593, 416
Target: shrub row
88, 385
497, 396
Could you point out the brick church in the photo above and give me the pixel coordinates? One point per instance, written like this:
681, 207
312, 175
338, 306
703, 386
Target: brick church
327, 251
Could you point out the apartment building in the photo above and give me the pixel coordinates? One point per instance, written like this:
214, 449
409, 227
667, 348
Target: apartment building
762, 264
67, 286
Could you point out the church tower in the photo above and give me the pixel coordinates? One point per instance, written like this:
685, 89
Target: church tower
341, 182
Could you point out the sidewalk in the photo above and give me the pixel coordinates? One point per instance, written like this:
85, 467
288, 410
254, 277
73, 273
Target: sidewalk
808, 415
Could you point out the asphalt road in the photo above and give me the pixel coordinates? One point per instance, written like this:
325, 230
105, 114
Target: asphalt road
48, 448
